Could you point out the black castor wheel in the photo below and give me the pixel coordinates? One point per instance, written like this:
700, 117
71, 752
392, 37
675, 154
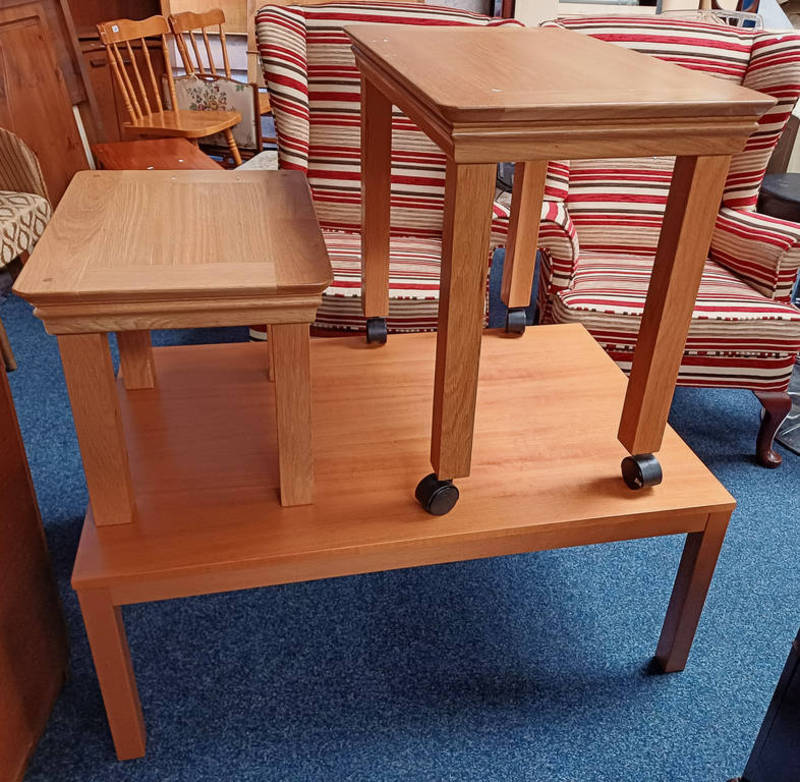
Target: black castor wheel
515, 320
376, 331
641, 470
437, 497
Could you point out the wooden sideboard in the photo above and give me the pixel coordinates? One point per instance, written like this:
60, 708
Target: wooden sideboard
33, 642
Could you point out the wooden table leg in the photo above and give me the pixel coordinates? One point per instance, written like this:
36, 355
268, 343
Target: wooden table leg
6, 353
376, 172
95, 409
136, 359
689, 593
523, 239
292, 366
469, 193
112, 662
692, 208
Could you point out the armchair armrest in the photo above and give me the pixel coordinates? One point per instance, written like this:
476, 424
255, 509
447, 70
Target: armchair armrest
763, 251
558, 241
19, 168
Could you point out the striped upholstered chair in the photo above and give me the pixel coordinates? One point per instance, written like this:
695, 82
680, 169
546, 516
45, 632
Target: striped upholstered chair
602, 221
315, 91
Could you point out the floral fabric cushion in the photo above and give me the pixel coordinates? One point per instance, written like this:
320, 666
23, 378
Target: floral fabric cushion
197, 94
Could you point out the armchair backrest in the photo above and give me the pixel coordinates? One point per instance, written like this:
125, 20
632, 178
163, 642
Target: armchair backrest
620, 203
315, 92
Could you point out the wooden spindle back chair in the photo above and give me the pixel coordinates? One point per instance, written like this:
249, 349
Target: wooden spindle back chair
140, 91
187, 27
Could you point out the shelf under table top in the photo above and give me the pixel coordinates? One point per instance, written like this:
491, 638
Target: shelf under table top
545, 468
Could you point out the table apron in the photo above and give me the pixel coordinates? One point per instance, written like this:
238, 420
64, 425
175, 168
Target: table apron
369, 559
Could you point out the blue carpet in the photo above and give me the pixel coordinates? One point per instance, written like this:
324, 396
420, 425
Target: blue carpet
530, 667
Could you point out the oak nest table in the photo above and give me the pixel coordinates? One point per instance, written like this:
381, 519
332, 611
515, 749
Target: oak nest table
489, 95
130, 251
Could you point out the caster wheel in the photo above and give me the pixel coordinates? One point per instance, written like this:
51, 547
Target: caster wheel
515, 320
437, 497
376, 331
641, 470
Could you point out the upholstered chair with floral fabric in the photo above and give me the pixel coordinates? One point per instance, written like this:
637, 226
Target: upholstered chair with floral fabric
315, 92
602, 218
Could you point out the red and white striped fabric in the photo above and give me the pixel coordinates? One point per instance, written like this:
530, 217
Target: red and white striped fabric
315, 92
744, 332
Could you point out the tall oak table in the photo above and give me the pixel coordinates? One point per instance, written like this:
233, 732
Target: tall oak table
489, 95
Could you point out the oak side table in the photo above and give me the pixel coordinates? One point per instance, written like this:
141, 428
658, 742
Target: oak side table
130, 251
489, 95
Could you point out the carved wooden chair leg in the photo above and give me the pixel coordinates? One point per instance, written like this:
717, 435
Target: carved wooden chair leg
777, 405
237, 158
6, 353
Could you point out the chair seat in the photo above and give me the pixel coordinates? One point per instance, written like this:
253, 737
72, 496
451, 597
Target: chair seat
185, 123
23, 217
730, 321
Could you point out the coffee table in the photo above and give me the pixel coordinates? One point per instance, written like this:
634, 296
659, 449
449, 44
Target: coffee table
130, 251
205, 474
489, 95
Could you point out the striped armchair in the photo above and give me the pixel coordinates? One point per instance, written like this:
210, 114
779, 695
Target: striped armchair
315, 92
601, 222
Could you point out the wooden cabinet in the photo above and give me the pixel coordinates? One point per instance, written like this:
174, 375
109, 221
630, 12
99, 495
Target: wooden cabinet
41, 80
33, 646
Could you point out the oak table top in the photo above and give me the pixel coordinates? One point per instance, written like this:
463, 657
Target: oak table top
570, 88
124, 245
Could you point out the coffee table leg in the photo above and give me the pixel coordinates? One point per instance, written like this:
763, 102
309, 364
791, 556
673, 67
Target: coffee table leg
523, 239
95, 409
689, 593
469, 193
290, 352
136, 359
692, 208
112, 662
376, 173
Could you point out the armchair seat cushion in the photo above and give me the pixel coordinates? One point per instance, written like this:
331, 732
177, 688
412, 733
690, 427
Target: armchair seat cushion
414, 267
23, 217
737, 337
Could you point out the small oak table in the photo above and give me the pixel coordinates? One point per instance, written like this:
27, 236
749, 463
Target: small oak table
489, 95
130, 251
161, 154
205, 473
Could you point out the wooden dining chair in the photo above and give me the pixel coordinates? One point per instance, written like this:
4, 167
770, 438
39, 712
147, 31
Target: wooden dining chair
187, 26
148, 114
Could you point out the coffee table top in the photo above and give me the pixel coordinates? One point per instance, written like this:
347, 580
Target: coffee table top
159, 154
478, 73
122, 237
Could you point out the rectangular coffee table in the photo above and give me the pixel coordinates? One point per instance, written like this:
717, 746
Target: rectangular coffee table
205, 474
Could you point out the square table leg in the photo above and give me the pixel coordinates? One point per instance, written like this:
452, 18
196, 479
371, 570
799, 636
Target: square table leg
689, 593
136, 359
292, 368
112, 662
469, 194
523, 234
95, 409
376, 172
692, 208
